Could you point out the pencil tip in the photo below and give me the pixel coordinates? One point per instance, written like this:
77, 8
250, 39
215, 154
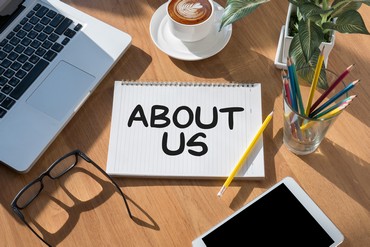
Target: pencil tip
289, 61
351, 66
322, 50
221, 192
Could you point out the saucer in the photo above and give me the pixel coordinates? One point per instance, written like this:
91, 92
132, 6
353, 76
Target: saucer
188, 51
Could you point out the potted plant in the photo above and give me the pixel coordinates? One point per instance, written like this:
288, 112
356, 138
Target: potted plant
311, 22
315, 21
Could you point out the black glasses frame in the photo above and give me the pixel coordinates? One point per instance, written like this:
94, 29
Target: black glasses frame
77, 154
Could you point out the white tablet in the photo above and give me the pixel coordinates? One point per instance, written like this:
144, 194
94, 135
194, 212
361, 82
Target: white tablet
284, 215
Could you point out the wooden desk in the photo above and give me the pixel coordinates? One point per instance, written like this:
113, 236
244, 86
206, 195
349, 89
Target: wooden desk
174, 212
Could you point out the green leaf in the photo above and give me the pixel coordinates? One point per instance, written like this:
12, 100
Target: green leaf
310, 37
296, 2
309, 10
237, 9
348, 22
295, 52
367, 2
308, 73
344, 6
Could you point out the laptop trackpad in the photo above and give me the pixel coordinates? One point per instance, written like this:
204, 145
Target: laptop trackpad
61, 91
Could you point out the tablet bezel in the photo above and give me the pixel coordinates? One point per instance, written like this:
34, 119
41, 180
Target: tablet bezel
303, 198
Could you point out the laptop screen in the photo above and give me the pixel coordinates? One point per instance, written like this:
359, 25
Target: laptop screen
9, 9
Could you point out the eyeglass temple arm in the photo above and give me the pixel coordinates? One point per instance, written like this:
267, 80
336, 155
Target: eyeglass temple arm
110, 178
21, 216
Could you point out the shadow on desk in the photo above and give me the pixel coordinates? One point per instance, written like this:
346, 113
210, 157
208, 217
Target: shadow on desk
61, 208
337, 164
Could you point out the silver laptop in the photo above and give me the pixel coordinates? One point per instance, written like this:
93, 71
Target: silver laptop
52, 56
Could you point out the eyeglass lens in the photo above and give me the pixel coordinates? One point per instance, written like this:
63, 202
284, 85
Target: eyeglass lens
62, 166
57, 170
29, 194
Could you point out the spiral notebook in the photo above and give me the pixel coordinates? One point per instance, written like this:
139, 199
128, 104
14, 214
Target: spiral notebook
184, 130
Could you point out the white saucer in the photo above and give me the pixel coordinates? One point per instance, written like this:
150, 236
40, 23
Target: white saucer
189, 51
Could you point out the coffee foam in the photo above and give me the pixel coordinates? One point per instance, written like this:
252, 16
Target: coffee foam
190, 11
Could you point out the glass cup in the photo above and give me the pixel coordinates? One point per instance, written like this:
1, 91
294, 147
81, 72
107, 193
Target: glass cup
302, 135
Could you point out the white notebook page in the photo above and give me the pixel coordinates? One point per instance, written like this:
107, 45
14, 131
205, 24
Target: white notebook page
145, 139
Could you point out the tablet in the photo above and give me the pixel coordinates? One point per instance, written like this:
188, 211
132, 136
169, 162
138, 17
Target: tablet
284, 215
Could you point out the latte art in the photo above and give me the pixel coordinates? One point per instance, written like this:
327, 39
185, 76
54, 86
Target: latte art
190, 12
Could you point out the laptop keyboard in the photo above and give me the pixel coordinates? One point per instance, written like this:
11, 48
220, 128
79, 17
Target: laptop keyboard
28, 49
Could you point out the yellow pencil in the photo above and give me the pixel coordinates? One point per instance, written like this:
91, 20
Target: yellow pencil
314, 81
330, 114
334, 112
245, 155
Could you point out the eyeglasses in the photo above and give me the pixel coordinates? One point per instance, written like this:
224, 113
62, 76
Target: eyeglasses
60, 167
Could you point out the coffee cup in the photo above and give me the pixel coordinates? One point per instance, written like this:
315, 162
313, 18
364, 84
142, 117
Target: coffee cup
190, 20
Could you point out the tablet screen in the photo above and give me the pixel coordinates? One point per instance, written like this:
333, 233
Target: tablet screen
278, 218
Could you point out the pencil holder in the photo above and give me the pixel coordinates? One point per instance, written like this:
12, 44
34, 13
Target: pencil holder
303, 131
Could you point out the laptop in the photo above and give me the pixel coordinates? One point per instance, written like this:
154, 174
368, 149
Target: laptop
52, 56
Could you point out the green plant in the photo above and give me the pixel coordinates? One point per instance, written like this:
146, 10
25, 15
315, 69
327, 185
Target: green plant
315, 22
237, 9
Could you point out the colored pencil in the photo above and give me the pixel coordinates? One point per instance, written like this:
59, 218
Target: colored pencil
328, 115
288, 94
334, 112
293, 89
332, 86
291, 64
315, 81
335, 97
345, 101
245, 154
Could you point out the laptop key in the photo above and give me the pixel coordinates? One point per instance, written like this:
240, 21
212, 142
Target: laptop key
2, 112
63, 26
2, 55
53, 37
8, 103
9, 73
6, 63
26, 41
69, 33
3, 80
37, 7
30, 14
2, 97
21, 74
14, 82
50, 55
29, 79
22, 58
6, 89
42, 11
51, 14
34, 20
34, 59
56, 20
57, 47
77, 27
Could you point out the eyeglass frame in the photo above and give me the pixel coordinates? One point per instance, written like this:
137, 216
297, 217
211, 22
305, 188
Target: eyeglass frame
77, 153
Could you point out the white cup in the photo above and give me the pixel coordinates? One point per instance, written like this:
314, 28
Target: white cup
191, 32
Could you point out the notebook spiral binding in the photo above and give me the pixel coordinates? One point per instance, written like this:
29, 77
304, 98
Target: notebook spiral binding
188, 84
